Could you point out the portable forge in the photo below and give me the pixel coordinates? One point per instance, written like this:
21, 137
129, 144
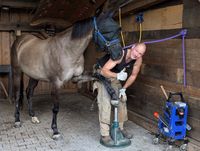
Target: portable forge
172, 125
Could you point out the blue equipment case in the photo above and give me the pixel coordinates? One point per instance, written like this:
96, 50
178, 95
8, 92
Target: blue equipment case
172, 126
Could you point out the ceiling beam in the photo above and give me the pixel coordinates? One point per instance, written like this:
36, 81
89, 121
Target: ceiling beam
137, 5
22, 26
18, 4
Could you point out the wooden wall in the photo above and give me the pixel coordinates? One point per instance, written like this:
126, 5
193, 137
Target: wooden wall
8, 22
156, 19
163, 65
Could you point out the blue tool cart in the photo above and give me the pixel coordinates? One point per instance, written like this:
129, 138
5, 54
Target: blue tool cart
172, 125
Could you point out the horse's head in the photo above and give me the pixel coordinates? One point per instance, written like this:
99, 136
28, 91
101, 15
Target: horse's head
106, 37
107, 31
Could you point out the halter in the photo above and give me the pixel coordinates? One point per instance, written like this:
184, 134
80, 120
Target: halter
104, 44
98, 34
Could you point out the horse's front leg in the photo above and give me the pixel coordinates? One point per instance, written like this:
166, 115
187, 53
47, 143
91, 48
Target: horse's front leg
55, 111
29, 93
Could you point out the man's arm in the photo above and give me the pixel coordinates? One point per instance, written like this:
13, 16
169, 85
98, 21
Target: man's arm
135, 71
105, 71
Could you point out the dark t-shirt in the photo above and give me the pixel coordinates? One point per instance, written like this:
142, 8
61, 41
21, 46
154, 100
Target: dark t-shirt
119, 67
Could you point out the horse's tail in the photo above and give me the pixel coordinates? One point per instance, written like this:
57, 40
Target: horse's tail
17, 74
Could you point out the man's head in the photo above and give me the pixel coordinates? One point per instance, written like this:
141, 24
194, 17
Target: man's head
138, 50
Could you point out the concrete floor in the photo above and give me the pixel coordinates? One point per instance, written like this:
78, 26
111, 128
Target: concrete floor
77, 124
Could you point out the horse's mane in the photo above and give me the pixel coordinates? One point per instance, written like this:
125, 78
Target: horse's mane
81, 28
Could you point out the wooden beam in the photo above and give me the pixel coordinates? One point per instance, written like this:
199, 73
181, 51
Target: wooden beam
26, 27
18, 4
137, 5
22, 26
191, 14
171, 86
142, 121
192, 33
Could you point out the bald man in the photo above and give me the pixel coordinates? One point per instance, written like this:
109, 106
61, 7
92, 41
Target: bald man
114, 72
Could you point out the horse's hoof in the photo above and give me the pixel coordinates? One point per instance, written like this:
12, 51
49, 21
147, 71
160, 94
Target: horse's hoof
17, 124
35, 120
56, 136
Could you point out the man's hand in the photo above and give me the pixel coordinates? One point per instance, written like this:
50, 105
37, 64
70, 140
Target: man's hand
122, 95
122, 76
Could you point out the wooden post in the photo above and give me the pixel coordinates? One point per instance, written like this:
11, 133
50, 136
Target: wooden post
6, 93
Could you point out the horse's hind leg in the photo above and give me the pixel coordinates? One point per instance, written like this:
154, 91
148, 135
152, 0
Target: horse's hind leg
55, 111
17, 83
18, 94
29, 93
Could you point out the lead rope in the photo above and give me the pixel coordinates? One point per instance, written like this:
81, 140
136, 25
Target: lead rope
120, 24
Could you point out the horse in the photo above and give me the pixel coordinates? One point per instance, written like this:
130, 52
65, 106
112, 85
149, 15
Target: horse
56, 59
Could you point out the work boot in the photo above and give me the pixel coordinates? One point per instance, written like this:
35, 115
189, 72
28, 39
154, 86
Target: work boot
106, 141
126, 134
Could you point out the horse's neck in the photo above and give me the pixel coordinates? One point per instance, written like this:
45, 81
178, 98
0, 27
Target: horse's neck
74, 46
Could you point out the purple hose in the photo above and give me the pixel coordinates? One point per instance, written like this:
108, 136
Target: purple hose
184, 59
182, 33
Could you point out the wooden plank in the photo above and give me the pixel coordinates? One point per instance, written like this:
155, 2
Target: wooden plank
191, 13
143, 121
155, 19
170, 86
16, 20
149, 92
1, 50
195, 132
22, 26
171, 56
5, 48
144, 108
171, 74
15, 16
139, 5
172, 61
18, 4
12, 38
24, 17
5, 41
130, 37
4, 16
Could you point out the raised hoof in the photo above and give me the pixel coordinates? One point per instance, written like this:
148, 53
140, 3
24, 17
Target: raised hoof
56, 136
17, 124
35, 120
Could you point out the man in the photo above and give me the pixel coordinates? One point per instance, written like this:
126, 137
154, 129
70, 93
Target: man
114, 72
